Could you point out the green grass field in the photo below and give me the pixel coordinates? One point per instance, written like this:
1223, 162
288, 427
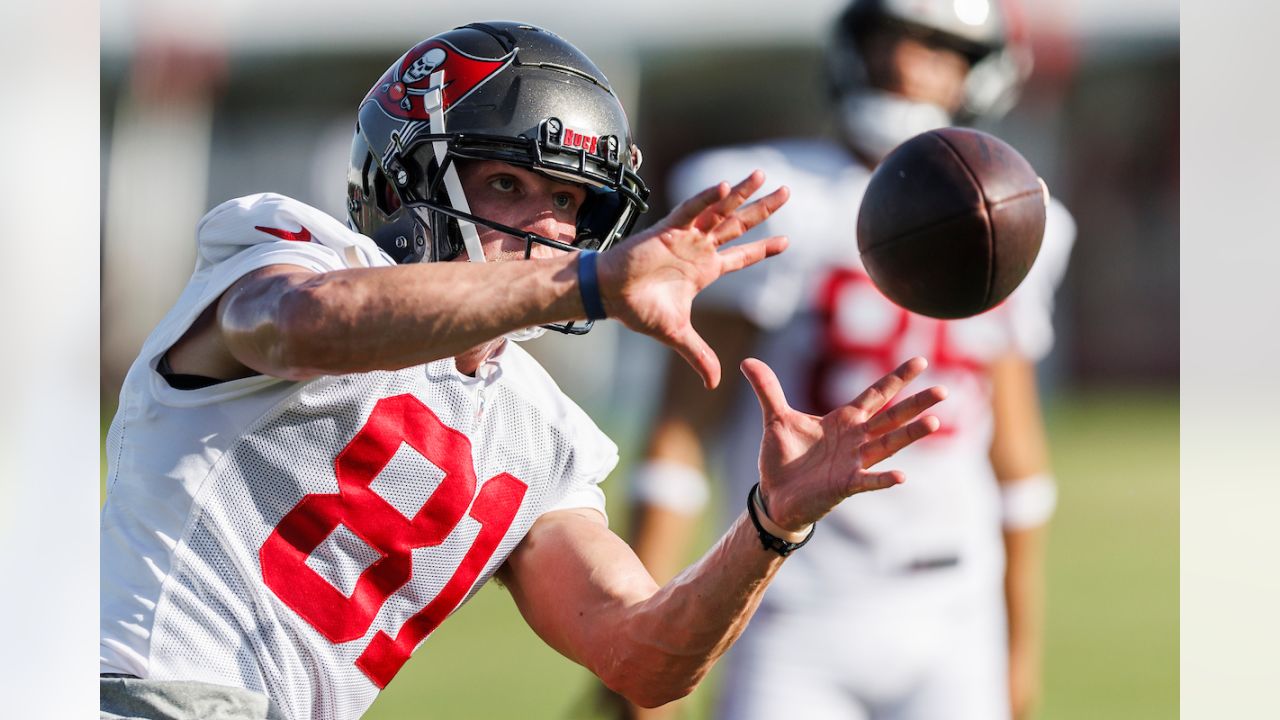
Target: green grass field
1113, 563
1113, 605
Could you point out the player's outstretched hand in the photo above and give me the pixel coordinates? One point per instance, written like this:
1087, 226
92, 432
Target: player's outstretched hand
650, 280
809, 464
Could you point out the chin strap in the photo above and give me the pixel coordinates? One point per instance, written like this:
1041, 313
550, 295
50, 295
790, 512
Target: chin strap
434, 101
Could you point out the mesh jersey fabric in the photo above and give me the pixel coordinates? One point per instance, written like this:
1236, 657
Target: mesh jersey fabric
828, 334
301, 538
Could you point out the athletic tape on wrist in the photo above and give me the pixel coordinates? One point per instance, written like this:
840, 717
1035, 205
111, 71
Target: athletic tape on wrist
670, 485
1028, 502
589, 285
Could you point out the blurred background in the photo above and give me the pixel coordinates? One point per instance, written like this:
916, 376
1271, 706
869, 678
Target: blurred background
202, 104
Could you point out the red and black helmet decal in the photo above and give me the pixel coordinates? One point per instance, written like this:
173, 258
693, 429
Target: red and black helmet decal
400, 92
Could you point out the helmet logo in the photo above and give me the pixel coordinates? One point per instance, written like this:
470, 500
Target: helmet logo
577, 139
422, 67
400, 91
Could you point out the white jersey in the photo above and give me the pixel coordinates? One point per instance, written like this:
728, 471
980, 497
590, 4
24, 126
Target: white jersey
830, 333
301, 539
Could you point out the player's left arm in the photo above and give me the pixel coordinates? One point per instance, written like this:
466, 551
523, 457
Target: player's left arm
1020, 458
583, 591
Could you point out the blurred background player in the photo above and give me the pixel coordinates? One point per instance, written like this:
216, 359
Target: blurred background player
927, 601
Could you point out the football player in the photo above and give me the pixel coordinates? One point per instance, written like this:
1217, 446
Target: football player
900, 609
331, 441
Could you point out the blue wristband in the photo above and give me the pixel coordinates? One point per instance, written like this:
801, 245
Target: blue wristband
589, 285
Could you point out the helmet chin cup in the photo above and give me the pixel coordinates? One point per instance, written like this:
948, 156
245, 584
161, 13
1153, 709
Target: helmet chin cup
525, 334
874, 122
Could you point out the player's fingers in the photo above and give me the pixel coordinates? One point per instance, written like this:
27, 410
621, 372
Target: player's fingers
741, 192
864, 481
773, 402
883, 390
736, 257
901, 413
740, 222
686, 212
698, 354
886, 445
712, 216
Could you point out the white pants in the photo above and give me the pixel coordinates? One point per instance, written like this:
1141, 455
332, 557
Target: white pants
906, 648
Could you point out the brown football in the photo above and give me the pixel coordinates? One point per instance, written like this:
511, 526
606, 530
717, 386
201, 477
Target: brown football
951, 222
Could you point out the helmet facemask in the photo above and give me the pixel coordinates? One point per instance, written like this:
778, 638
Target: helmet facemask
615, 195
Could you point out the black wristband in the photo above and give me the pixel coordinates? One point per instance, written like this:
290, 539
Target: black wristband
589, 285
769, 540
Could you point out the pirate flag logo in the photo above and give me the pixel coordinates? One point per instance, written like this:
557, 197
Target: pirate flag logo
401, 90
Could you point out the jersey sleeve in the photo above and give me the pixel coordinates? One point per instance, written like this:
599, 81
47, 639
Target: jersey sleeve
591, 454
594, 457
253, 232
288, 226
1031, 305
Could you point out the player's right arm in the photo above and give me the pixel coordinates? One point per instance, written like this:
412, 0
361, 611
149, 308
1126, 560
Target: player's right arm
289, 322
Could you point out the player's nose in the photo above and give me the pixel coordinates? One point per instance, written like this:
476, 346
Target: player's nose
551, 227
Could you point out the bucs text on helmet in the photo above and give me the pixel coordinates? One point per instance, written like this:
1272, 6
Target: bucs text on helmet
498, 91
876, 121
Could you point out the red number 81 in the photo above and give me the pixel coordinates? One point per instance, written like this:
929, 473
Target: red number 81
339, 618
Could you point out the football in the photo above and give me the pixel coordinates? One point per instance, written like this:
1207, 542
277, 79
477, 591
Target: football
951, 222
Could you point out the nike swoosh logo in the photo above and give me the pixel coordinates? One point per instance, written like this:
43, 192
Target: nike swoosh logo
301, 235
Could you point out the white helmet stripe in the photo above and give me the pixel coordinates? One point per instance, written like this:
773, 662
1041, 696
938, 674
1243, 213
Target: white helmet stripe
434, 101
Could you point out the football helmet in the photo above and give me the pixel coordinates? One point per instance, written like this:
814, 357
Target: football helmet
874, 120
499, 91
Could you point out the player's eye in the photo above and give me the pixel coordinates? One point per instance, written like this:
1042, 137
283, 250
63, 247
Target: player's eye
565, 201
503, 183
